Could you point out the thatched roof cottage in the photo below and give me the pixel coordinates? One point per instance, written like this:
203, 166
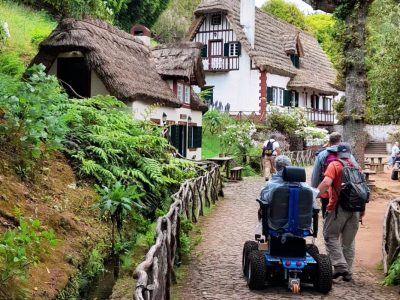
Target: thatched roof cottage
91, 57
254, 61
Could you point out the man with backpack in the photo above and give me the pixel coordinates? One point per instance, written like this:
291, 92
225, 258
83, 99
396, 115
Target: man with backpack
324, 157
270, 151
348, 195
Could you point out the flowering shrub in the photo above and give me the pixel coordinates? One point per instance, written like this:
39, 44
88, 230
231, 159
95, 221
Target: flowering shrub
238, 136
4, 32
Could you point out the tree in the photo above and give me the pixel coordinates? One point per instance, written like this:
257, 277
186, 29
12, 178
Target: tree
354, 14
285, 11
145, 12
383, 57
175, 21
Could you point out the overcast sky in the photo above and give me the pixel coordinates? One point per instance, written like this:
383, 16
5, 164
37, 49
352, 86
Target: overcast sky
305, 8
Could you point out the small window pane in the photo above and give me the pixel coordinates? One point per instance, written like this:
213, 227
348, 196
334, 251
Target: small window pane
280, 97
233, 49
274, 96
187, 94
180, 91
216, 19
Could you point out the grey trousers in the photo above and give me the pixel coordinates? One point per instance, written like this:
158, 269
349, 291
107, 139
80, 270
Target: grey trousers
339, 235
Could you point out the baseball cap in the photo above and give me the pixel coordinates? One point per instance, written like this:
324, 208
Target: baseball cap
344, 150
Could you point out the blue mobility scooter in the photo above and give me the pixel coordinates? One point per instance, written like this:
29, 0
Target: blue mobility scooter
284, 256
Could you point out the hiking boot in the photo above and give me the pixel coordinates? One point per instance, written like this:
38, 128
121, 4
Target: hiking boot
337, 274
347, 277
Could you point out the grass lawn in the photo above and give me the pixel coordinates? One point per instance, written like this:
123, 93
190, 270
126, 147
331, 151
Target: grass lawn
27, 29
210, 146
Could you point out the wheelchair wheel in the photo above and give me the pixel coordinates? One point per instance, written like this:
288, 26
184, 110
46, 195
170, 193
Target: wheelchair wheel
257, 270
312, 250
323, 274
248, 247
395, 175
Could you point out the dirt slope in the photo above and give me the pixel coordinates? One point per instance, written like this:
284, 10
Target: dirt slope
59, 203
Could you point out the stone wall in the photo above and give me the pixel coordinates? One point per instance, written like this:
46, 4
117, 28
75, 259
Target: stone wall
378, 133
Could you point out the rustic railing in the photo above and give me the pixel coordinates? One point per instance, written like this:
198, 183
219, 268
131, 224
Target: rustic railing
391, 234
156, 273
301, 158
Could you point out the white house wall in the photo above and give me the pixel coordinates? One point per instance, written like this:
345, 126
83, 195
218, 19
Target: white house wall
97, 86
239, 88
274, 80
140, 111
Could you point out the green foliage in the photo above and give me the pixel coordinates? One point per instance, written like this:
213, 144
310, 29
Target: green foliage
144, 12
174, 22
215, 121
105, 143
30, 119
394, 136
285, 11
116, 203
27, 28
287, 123
23, 246
11, 64
393, 276
383, 57
210, 145
103, 9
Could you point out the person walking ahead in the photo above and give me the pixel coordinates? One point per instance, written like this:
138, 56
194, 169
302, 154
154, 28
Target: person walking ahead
340, 225
270, 151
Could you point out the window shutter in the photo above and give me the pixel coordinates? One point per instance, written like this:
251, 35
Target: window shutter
286, 98
190, 137
175, 136
296, 99
204, 52
197, 135
269, 94
239, 49
316, 102
226, 49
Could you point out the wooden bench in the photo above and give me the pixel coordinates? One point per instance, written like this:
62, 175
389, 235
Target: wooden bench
236, 173
367, 173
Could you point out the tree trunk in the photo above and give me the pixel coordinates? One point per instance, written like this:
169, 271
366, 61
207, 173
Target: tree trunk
355, 72
356, 80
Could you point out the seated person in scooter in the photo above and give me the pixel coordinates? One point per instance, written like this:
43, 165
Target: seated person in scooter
277, 181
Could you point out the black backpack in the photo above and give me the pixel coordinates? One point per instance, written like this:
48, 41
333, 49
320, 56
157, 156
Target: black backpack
354, 194
269, 148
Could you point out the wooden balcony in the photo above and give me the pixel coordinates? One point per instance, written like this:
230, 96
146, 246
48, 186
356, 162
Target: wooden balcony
221, 64
320, 117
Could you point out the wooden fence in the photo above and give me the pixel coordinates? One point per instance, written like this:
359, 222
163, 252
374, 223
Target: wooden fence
301, 158
391, 234
155, 274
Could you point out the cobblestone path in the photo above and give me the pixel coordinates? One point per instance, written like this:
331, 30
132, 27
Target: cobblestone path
215, 268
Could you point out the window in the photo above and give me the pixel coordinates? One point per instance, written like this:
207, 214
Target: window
277, 96
187, 94
295, 60
280, 99
234, 49
216, 19
293, 99
180, 91
194, 136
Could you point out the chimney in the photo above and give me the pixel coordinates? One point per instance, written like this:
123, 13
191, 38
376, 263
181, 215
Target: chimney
142, 33
248, 19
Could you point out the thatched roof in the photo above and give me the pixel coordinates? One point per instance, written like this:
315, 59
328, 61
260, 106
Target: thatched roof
197, 104
120, 60
274, 40
181, 60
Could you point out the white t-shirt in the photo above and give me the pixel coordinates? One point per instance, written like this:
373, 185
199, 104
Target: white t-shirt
275, 145
395, 150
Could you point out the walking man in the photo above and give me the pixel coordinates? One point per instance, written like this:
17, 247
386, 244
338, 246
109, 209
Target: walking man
322, 161
395, 151
270, 151
340, 226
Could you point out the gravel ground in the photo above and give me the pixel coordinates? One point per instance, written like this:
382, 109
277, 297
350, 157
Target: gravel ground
215, 270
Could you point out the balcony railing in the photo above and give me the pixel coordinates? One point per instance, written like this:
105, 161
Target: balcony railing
221, 63
319, 117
